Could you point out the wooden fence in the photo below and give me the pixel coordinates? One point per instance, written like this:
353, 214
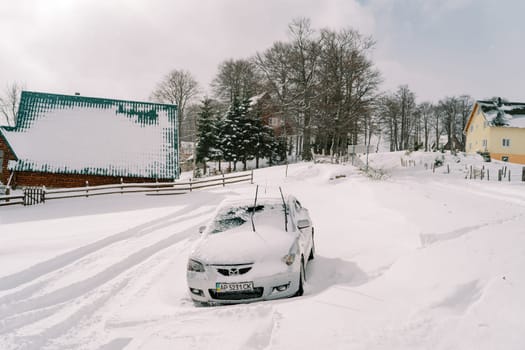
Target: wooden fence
34, 195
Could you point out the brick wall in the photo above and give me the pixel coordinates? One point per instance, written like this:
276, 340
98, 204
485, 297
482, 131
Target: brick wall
27, 178
8, 155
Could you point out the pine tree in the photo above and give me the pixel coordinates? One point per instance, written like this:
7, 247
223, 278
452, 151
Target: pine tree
263, 143
206, 133
229, 135
244, 136
248, 131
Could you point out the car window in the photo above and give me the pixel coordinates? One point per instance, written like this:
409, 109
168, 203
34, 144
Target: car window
236, 216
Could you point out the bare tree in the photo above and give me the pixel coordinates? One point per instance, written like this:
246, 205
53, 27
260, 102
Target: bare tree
466, 103
177, 87
304, 61
347, 88
426, 111
388, 111
236, 79
9, 103
274, 65
407, 102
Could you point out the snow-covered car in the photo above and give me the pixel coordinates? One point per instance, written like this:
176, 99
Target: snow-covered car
251, 251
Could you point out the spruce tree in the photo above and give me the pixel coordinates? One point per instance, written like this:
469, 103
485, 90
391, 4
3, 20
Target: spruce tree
230, 134
263, 141
206, 133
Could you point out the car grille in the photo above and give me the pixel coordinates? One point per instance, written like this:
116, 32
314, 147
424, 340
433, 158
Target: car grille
233, 271
256, 293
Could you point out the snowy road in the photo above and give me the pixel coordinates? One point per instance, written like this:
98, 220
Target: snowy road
411, 262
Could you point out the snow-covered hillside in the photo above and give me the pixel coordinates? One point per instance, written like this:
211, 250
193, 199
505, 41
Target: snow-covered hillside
415, 260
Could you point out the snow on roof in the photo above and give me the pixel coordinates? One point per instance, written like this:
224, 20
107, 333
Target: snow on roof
255, 99
510, 114
94, 136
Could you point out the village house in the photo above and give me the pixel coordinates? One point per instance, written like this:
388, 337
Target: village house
282, 127
72, 140
497, 129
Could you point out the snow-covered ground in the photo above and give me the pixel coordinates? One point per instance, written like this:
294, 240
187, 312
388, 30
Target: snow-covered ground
406, 259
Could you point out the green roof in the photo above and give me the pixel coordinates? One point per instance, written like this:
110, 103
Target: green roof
95, 136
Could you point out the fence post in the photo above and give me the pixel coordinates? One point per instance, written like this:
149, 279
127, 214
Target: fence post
190, 184
509, 174
121, 187
448, 169
523, 174
251, 178
87, 188
500, 171
8, 191
43, 198
488, 174
223, 180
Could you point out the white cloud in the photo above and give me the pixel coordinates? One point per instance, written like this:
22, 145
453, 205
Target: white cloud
122, 48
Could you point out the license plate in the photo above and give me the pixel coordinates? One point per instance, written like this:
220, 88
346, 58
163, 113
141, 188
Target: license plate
234, 287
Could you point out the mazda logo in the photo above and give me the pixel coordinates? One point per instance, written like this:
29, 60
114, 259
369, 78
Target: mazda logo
234, 271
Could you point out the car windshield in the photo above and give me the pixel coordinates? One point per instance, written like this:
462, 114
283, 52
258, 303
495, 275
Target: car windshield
235, 216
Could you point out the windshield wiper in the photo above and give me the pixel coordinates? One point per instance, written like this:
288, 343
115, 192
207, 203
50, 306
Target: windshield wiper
285, 211
254, 207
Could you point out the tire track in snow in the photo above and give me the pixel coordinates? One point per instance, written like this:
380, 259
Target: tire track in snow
76, 270
96, 261
87, 285
488, 191
428, 239
79, 322
36, 342
30, 274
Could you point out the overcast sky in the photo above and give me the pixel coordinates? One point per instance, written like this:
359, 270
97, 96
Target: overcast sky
121, 49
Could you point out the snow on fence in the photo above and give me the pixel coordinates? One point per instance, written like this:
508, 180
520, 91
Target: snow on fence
34, 195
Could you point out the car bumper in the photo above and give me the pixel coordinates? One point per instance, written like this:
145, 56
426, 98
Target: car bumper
202, 286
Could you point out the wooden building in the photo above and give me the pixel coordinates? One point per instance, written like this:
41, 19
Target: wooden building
68, 140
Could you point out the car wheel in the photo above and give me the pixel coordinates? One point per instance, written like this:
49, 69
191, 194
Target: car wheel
312, 251
300, 290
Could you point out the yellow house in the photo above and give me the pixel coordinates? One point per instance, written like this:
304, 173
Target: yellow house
497, 128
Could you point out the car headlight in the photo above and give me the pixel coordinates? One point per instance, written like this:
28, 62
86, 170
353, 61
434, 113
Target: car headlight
288, 259
195, 266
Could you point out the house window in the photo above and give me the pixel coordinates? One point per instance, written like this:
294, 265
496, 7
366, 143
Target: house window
505, 142
505, 158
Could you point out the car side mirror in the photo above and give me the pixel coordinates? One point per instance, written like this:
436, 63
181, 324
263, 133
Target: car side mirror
201, 229
303, 223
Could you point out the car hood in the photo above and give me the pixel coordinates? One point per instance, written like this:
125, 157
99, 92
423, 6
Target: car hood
243, 246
